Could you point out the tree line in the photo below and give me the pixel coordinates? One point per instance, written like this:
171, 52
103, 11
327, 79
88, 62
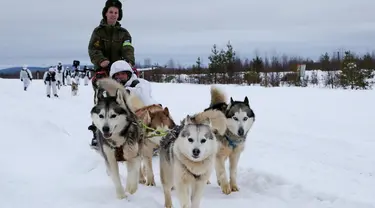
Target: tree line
340, 69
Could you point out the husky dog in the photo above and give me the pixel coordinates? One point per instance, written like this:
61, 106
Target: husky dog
187, 157
154, 121
239, 118
119, 136
157, 121
74, 88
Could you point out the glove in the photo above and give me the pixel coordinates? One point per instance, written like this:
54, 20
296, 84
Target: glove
98, 75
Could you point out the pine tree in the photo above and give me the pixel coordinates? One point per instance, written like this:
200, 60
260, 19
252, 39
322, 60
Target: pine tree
197, 70
325, 62
230, 59
352, 75
214, 65
252, 75
198, 64
257, 64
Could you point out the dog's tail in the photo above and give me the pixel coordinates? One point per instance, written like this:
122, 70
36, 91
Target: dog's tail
217, 118
135, 102
217, 96
111, 86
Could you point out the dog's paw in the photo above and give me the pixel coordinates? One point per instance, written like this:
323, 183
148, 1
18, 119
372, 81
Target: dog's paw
185, 206
208, 182
168, 206
121, 194
225, 188
150, 182
142, 180
234, 187
131, 188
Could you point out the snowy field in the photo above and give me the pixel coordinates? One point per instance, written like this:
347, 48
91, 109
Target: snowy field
309, 148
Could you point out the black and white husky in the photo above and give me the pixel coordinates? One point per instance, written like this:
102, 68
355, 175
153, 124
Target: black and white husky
239, 119
119, 137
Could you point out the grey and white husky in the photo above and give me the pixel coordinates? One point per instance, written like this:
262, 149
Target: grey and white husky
187, 157
119, 137
239, 118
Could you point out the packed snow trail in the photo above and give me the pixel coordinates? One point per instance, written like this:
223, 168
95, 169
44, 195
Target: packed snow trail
308, 148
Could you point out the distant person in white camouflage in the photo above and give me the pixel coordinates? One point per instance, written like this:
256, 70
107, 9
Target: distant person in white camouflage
59, 74
49, 78
77, 77
26, 77
68, 76
86, 76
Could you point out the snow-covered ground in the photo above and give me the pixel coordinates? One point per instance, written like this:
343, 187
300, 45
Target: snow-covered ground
309, 148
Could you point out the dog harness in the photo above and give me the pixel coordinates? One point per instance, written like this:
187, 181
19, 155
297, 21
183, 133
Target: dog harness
231, 142
119, 151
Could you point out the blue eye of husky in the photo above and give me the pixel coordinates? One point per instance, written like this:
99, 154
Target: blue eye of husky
191, 140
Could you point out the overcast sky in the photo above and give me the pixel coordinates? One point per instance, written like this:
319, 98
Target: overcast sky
47, 31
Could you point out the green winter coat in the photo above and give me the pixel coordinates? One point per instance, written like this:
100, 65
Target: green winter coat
111, 43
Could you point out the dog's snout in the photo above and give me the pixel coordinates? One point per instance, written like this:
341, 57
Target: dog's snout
241, 132
196, 152
105, 129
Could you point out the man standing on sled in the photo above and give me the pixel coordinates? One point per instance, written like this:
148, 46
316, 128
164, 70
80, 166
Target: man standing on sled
110, 42
112, 53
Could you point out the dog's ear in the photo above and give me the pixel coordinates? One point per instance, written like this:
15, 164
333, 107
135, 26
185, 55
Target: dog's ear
231, 100
119, 97
246, 100
188, 120
166, 111
99, 95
